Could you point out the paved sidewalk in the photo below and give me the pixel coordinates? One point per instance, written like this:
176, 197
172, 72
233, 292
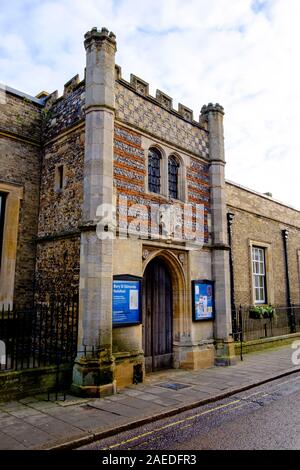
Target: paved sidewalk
35, 423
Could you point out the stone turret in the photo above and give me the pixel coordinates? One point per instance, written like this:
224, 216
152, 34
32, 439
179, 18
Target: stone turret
213, 116
94, 367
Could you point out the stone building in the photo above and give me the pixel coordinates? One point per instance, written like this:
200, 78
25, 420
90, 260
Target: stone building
270, 230
107, 187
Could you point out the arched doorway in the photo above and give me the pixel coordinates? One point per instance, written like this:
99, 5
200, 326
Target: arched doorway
157, 316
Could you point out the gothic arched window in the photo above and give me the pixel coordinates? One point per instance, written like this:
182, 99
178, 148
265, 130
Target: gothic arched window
154, 159
173, 169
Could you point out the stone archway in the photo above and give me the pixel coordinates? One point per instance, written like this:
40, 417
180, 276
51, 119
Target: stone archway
168, 301
157, 316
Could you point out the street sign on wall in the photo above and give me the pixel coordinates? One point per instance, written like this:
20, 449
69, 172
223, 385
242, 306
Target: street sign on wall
203, 300
126, 301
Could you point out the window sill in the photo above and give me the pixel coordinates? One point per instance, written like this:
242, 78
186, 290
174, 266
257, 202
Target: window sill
165, 198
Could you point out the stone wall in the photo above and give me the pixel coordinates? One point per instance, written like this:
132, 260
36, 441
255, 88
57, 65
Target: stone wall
20, 116
64, 112
20, 165
58, 263
58, 252
60, 210
259, 218
58, 255
160, 120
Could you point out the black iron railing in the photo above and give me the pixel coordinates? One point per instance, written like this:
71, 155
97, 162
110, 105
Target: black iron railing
42, 335
285, 321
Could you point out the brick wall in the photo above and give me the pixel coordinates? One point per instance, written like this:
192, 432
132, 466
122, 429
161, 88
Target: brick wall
199, 189
130, 172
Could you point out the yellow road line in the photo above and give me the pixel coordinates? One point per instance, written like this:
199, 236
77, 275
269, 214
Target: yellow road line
184, 427
234, 408
187, 426
171, 425
210, 410
144, 442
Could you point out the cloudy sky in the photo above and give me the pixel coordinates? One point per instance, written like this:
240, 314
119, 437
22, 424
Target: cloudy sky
243, 54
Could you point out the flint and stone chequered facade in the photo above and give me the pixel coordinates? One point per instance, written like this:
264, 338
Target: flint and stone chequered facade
63, 157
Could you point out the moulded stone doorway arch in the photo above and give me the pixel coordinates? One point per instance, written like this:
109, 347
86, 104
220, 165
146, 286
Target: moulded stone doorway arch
181, 317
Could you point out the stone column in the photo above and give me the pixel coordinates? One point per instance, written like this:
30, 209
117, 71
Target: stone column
93, 372
220, 252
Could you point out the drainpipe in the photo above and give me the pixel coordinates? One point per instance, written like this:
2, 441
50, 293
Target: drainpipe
285, 236
230, 219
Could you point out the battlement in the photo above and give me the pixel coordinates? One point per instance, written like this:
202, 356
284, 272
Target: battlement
132, 101
141, 87
95, 35
135, 83
71, 85
138, 85
215, 108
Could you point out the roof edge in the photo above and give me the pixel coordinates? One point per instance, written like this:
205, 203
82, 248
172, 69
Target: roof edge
249, 190
21, 94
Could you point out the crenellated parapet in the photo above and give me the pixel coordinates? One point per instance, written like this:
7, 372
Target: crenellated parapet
65, 111
134, 103
51, 99
185, 112
141, 87
71, 85
97, 37
165, 100
211, 108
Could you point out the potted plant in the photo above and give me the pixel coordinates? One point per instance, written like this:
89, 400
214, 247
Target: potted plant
256, 312
262, 311
269, 312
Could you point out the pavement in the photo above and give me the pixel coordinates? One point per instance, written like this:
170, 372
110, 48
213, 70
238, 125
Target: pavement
36, 423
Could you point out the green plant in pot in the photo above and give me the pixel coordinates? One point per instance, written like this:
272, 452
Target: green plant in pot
256, 313
269, 312
262, 311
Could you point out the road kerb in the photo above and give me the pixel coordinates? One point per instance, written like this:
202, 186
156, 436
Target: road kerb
98, 435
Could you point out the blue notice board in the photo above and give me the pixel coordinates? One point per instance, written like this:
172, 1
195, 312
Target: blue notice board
203, 300
126, 302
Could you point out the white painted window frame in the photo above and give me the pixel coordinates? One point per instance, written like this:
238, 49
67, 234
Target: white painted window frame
268, 266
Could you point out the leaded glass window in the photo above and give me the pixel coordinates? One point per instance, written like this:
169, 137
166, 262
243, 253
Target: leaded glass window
154, 159
173, 168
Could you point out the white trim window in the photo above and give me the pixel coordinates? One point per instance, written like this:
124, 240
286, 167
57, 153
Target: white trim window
259, 275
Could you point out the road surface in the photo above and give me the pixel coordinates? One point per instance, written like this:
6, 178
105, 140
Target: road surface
265, 417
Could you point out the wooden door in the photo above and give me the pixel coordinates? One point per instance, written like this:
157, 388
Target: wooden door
157, 316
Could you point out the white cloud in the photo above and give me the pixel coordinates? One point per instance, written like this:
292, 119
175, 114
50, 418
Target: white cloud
242, 54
